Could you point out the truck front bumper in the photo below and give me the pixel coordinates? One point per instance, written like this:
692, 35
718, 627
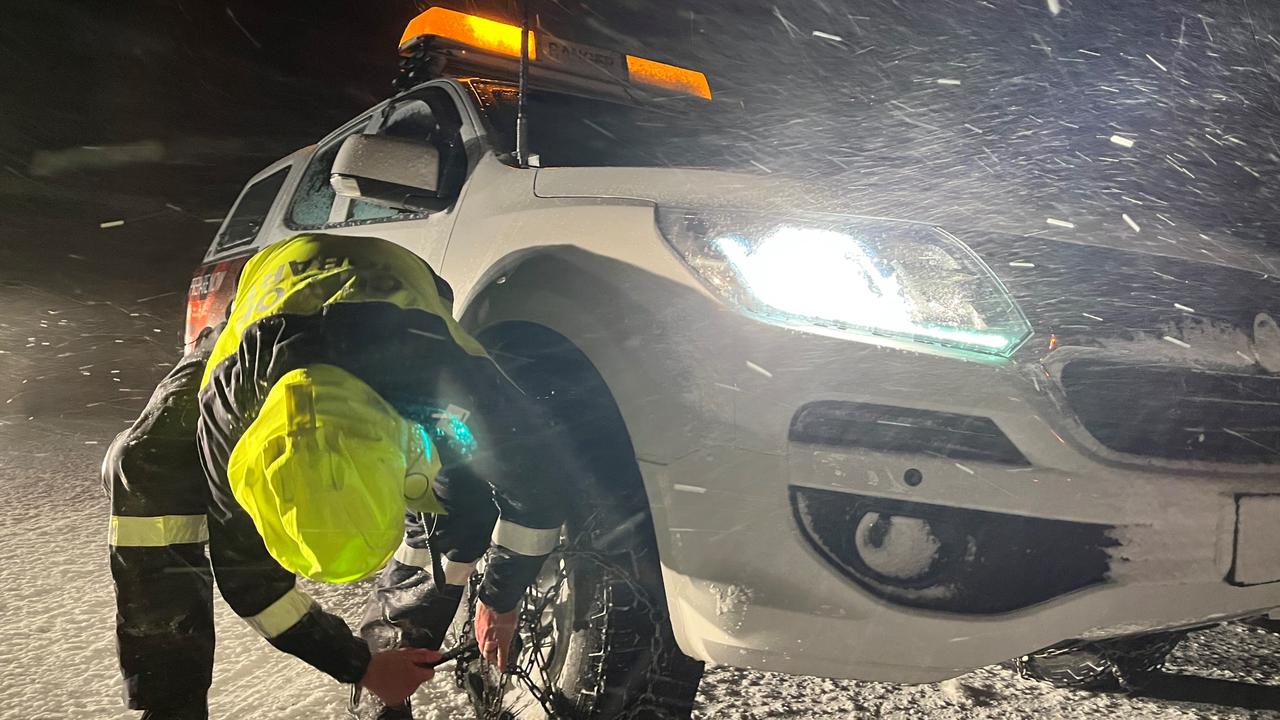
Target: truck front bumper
1038, 534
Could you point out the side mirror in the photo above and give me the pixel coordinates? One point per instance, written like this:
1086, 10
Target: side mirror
392, 172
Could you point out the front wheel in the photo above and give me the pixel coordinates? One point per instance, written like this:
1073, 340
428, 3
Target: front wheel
596, 639
592, 643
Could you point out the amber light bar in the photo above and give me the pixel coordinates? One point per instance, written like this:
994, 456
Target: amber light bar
481, 33
668, 77
499, 38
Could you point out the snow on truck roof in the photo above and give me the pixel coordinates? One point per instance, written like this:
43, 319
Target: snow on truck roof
466, 40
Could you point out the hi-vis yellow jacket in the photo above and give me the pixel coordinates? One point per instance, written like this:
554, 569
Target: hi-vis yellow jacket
377, 311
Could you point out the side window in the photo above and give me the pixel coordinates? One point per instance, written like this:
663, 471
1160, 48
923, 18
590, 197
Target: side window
313, 201
250, 211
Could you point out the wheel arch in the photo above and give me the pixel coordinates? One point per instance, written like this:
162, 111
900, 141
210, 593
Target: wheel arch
548, 336
620, 318
612, 483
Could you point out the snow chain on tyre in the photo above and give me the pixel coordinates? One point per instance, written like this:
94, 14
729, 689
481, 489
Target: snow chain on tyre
615, 653
1121, 663
488, 698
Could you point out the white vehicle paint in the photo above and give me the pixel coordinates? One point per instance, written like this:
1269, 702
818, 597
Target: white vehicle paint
709, 397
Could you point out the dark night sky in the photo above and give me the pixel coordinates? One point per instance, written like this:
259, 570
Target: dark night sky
224, 87
87, 72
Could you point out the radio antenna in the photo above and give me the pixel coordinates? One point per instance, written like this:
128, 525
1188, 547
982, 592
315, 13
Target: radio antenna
522, 98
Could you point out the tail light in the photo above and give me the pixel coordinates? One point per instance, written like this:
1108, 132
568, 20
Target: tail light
213, 286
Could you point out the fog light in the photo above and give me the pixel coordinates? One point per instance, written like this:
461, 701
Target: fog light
896, 546
951, 559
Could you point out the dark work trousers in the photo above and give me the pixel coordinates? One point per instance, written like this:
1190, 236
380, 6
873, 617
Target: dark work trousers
164, 585
418, 592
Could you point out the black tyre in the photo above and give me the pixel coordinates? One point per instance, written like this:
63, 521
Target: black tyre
595, 638
1114, 664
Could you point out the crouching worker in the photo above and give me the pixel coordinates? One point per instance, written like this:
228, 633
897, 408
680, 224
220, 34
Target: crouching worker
341, 422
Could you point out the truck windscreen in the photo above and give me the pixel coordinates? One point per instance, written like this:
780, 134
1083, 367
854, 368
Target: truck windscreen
575, 131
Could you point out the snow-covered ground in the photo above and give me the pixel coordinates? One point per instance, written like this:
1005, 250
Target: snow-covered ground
80, 347
1215, 661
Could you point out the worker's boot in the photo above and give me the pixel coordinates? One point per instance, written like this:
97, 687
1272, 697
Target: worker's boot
427, 624
409, 610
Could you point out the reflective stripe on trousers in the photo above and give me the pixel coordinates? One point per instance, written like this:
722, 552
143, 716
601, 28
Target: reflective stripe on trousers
525, 540
157, 530
455, 572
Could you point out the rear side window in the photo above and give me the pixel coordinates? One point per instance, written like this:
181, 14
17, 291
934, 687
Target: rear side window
251, 211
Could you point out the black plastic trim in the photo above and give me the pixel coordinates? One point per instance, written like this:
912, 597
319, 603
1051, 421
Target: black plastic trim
904, 430
1177, 413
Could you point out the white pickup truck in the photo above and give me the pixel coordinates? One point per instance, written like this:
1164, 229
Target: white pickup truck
821, 443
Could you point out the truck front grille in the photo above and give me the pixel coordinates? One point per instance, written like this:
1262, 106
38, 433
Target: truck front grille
1177, 413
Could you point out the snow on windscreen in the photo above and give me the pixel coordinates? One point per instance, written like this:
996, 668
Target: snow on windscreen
575, 131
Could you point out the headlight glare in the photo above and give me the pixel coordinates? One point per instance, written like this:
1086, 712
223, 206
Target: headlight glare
904, 280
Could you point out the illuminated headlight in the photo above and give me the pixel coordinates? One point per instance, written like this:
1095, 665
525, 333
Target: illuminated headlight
872, 277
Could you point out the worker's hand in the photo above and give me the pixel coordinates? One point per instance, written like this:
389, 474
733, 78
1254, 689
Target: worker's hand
494, 631
393, 675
